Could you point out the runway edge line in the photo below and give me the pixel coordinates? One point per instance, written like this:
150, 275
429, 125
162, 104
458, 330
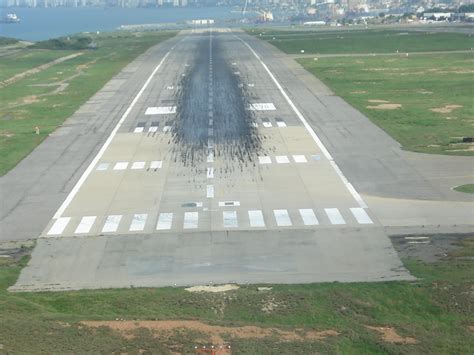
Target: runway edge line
308, 127
89, 169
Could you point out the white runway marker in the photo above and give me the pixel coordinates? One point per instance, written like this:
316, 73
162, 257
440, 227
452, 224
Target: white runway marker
112, 223
138, 165
256, 218
164, 221
264, 160
103, 166
229, 203
138, 222
267, 124
211, 122
230, 219
334, 216
308, 127
121, 165
255, 124
282, 218
299, 159
267, 106
161, 110
59, 226
156, 164
308, 217
210, 191
166, 129
85, 225
138, 129
210, 157
102, 150
282, 159
281, 124
191, 220
153, 129
210, 173
361, 216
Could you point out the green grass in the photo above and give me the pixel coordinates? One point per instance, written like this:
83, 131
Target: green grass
437, 311
363, 41
419, 83
468, 188
7, 41
19, 115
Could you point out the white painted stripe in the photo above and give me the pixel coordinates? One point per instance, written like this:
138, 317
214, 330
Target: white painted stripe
166, 129
425, 242
361, 216
138, 222
281, 124
59, 226
210, 191
230, 219
111, 223
211, 122
267, 124
138, 129
99, 155
416, 238
308, 217
229, 203
282, 159
282, 218
85, 224
153, 129
210, 143
103, 166
191, 220
121, 165
264, 106
161, 110
138, 165
308, 127
210, 173
256, 218
255, 124
210, 157
300, 159
334, 216
264, 160
156, 164
164, 221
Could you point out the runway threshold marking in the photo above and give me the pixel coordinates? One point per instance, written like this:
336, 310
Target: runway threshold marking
164, 221
308, 127
138, 222
101, 152
361, 216
334, 216
230, 219
85, 224
308, 217
256, 218
160, 110
59, 226
282, 218
112, 223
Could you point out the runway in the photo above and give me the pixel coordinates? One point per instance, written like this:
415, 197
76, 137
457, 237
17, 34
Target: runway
212, 174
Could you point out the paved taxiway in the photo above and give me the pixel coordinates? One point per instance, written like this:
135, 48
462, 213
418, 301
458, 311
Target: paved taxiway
212, 172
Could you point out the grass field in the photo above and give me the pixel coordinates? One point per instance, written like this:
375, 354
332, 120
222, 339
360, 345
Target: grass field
423, 101
432, 315
468, 188
48, 97
360, 41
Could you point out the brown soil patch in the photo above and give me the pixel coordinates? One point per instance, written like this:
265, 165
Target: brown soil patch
216, 333
379, 101
445, 109
213, 289
391, 336
6, 134
471, 327
385, 107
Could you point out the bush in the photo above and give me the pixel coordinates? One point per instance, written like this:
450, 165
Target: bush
66, 43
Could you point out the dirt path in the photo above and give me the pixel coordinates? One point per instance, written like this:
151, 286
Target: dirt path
37, 69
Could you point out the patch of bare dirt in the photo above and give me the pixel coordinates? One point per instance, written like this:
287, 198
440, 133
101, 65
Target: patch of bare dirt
6, 134
214, 289
359, 92
385, 107
378, 101
216, 333
446, 108
389, 335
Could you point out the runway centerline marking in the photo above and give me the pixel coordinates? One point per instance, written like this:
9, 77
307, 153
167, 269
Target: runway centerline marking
101, 152
308, 127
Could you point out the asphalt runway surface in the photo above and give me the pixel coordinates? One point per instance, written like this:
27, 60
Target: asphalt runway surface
215, 168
